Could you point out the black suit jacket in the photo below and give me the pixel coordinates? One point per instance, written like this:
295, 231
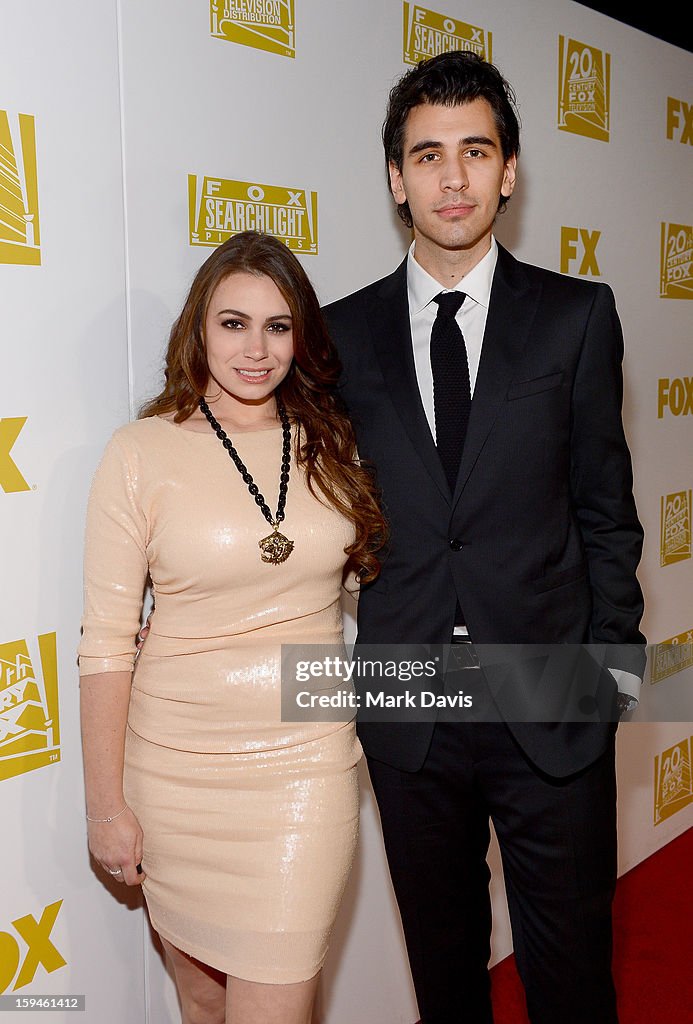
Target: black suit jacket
540, 541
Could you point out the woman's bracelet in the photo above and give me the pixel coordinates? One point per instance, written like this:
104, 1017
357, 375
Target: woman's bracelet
112, 818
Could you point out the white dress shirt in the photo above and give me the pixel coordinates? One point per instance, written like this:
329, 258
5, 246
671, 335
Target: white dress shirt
471, 317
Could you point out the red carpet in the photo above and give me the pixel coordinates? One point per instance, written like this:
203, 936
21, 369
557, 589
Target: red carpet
653, 944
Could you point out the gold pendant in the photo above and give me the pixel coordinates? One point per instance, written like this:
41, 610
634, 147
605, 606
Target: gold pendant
276, 548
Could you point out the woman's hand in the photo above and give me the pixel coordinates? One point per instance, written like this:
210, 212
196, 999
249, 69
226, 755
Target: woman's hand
117, 846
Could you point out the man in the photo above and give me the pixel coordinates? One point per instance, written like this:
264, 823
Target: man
492, 416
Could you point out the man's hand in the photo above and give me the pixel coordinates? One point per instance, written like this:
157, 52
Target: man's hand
143, 633
625, 703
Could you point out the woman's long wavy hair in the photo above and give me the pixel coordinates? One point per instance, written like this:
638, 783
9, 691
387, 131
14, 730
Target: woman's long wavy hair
309, 391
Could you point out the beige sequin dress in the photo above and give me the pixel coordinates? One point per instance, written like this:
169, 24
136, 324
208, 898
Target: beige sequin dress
250, 823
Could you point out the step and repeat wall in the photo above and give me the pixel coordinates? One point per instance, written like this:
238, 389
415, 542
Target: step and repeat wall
135, 137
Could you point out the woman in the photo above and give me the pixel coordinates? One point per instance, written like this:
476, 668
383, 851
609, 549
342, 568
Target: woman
238, 492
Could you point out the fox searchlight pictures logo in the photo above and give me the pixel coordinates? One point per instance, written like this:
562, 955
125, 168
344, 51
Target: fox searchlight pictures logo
427, 33
672, 656
219, 208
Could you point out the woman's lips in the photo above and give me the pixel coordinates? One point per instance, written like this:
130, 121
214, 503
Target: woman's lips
253, 376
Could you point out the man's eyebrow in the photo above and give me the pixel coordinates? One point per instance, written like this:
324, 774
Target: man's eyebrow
425, 144
468, 140
478, 140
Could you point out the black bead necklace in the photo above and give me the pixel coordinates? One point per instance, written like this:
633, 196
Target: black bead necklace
276, 547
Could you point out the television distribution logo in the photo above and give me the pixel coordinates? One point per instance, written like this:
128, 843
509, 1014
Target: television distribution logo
263, 24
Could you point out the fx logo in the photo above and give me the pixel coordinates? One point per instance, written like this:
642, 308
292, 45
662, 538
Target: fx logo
570, 237
677, 394
11, 480
680, 119
36, 935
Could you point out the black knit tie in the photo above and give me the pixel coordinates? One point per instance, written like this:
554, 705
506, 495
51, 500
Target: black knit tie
451, 388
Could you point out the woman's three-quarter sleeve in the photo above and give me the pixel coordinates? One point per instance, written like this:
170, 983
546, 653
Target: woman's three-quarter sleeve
115, 561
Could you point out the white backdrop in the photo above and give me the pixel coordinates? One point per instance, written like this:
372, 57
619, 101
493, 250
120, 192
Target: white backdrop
278, 104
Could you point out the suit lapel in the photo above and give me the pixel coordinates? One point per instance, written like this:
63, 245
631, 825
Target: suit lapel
391, 332
511, 312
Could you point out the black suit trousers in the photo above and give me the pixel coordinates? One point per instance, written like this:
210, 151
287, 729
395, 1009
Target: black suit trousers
557, 838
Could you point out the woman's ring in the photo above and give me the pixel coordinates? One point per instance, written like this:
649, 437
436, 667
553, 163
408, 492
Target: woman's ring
116, 872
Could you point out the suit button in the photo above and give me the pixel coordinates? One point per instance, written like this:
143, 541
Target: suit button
456, 544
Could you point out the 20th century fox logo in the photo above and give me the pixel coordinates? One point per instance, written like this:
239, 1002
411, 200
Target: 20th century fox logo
29, 713
675, 529
584, 77
427, 33
219, 208
673, 783
676, 262
19, 213
263, 24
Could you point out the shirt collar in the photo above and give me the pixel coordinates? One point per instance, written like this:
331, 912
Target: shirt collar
422, 288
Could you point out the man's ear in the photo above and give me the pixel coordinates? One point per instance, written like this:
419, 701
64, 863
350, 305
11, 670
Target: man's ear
397, 184
509, 175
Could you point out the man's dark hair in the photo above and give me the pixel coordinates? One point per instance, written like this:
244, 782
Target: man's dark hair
450, 79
